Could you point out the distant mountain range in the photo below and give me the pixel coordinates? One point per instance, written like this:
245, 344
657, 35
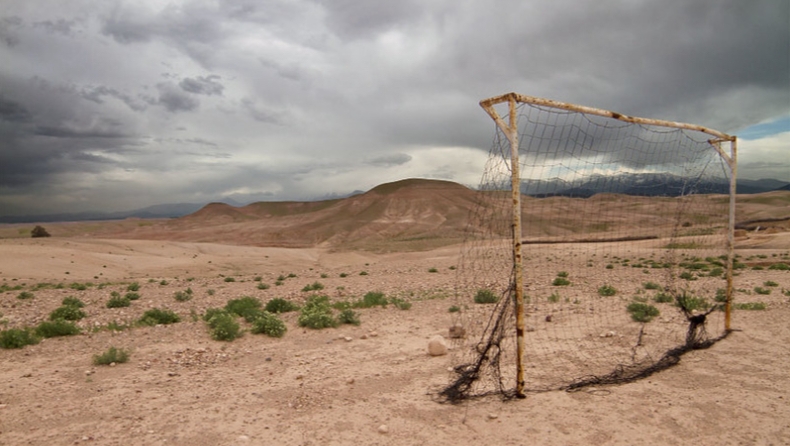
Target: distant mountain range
636, 184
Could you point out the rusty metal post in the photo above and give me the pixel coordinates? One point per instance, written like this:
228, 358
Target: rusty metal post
511, 133
733, 163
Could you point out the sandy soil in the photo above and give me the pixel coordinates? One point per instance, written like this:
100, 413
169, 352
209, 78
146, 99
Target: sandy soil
337, 386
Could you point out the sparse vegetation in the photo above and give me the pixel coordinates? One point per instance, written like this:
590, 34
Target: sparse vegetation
72, 302
263, 286
183, 296
400, 303
224, 326
317, 313
690, 302
454, 309
761, 290
561, 281
156, 316
750, 306
118, 302
433, 270
134, 286
268, 324
770, 283
485, 296
279, 305
348, 316
651, 286
642, 312
17, 338
607, 290
230, 279
779, 267
372, 299
59, 327
111, 356
363, 273
247, 307
131, 296
67, 312
24, 295
315, 286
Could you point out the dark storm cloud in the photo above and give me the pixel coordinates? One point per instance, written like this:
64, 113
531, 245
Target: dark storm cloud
206, 85
396, 159
174, 99
355, 88
13, 111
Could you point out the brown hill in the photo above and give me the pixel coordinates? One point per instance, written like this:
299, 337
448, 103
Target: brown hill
418, 214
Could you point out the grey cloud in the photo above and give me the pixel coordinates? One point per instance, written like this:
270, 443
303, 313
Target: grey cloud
206, 85
60, 26
175, 99
8, 27
357, 19
260, 113
396, 159
12, 111
96, 94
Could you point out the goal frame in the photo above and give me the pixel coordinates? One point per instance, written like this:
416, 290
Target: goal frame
510, 129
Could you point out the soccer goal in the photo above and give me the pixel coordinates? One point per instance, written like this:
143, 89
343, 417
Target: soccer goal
600, 251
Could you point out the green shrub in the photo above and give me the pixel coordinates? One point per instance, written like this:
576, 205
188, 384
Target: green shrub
687, 276
317, 313
257, 278
761, 290
163, 282
224, 327
111, 356
691, 302
642, 312
716, 272
131, 296
78, 286
348, 316
24, 295
610, 266
230, 279
780, 267
67, 312
315, 286
343, 274
663, 298
400, 303
118, 302
59, 327
652, 286
182, 296
561, 281
17, 338
72, 302
607, 290
753, 306
454, 309
554, 297
770, 283
721, 295
433, 270
372, 299
291, 275
563, 274
268, 324
155, 316
363, 273
211, 312
247, 307
134, 286
484, 296
263, 286
279, 305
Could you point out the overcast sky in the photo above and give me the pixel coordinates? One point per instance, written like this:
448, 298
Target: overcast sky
116, 105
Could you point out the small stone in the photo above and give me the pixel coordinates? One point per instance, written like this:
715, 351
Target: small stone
493, 416
299, 376
348, 338
350, 381
373, 334
548, 318
437, 346
364, 336
112, 364
243, 438
383, 429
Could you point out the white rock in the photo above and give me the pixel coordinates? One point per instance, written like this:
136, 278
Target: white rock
437, 346
383, 429
243, 438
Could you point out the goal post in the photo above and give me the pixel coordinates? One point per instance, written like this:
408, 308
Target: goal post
599, 189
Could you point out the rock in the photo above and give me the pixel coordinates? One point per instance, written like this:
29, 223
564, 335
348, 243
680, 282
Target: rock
493, 416
373, 334
243, 438
350, 381
457, 332
348, 339
383, 429
437, 346
548, 318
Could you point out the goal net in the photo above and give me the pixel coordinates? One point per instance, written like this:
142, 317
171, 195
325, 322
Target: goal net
618, 257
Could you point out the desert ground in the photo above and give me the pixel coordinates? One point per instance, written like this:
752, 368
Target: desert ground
369, 384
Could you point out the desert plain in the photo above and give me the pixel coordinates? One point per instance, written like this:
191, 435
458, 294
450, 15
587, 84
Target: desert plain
367, 384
